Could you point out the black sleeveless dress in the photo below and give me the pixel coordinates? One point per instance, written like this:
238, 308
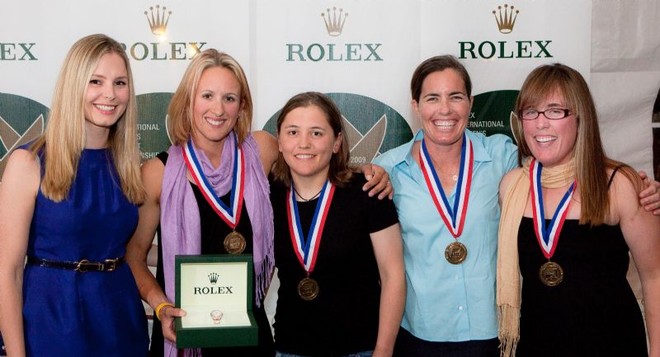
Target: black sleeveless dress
214, 229
593, 311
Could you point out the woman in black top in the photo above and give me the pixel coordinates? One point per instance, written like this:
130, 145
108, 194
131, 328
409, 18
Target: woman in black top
338, 251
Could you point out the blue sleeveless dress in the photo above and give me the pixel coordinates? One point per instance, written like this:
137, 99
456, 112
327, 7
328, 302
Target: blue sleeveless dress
69, 313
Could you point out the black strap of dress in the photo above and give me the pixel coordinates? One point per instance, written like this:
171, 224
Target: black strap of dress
612, 176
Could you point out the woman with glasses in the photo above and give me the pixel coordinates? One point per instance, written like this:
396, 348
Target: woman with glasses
570, 216
446, 194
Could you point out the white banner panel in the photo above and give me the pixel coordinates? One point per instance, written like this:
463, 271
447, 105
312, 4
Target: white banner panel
361, 52
626, 77
500, 42
624, 122
160, 39
330, 46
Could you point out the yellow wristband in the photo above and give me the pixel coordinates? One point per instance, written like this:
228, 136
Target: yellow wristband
160, 307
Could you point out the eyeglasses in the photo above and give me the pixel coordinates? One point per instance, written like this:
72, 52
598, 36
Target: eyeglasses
550, 113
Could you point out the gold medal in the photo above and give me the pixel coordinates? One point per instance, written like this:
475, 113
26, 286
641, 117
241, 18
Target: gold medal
551, 274
455, 253
308, 289
234, 243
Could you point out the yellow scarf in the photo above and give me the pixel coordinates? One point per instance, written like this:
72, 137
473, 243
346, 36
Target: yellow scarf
509, 282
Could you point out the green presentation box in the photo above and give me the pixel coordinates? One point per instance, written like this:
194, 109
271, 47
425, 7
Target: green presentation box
216, 291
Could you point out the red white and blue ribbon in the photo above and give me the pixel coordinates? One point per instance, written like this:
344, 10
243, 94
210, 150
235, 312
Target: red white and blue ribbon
232, 214
548, 236
452, 215
307, 247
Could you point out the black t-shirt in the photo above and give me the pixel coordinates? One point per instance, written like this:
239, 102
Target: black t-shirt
343, 318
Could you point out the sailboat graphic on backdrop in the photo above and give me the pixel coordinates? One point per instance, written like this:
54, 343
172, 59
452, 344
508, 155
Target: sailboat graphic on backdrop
11, 139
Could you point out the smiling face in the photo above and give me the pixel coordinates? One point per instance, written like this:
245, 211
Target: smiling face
551, 142
216, 106
443, 107
307, 143
106, 96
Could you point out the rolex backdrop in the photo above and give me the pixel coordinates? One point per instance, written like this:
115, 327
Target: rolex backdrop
362, 53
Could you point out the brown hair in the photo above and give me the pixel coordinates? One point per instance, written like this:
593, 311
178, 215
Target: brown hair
340, 172
590, 160
437, 64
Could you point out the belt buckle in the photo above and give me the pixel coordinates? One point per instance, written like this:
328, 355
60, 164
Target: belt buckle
85, 265
110, 264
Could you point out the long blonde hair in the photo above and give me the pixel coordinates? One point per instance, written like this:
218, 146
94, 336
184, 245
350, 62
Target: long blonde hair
180, 110
591, 163
64, 138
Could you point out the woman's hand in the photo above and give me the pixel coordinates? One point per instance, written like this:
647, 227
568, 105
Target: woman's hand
166, 316
649, 198
378, 181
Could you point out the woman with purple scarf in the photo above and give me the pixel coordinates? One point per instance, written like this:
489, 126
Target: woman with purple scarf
209, 194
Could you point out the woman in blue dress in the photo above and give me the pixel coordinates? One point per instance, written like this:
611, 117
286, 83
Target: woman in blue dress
68, 206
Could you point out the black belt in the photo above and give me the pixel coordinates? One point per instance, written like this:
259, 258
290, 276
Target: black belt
80, 266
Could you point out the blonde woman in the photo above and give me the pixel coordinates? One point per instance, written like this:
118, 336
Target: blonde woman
68, 205
210, 117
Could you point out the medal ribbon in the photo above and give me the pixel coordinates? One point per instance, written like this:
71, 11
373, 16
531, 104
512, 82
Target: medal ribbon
453, 216
548, 237
231, 215
307, 249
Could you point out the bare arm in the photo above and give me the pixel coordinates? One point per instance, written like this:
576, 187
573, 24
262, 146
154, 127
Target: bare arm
138, 247
18, 191
268, 149
388, 249
641, 230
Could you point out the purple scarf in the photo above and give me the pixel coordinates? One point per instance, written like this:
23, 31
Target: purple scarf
179, 213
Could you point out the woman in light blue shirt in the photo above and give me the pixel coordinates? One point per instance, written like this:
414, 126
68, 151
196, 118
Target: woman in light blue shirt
446, 193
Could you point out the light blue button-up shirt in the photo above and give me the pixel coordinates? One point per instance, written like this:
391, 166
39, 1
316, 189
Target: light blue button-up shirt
447, 302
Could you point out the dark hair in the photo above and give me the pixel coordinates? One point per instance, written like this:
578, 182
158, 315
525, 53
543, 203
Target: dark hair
339, 172
437, 64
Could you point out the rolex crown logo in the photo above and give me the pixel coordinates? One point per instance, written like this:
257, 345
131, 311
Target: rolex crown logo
334, 21
505, 18
158, 19
213, 278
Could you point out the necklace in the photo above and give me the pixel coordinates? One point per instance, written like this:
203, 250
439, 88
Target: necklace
306, 199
